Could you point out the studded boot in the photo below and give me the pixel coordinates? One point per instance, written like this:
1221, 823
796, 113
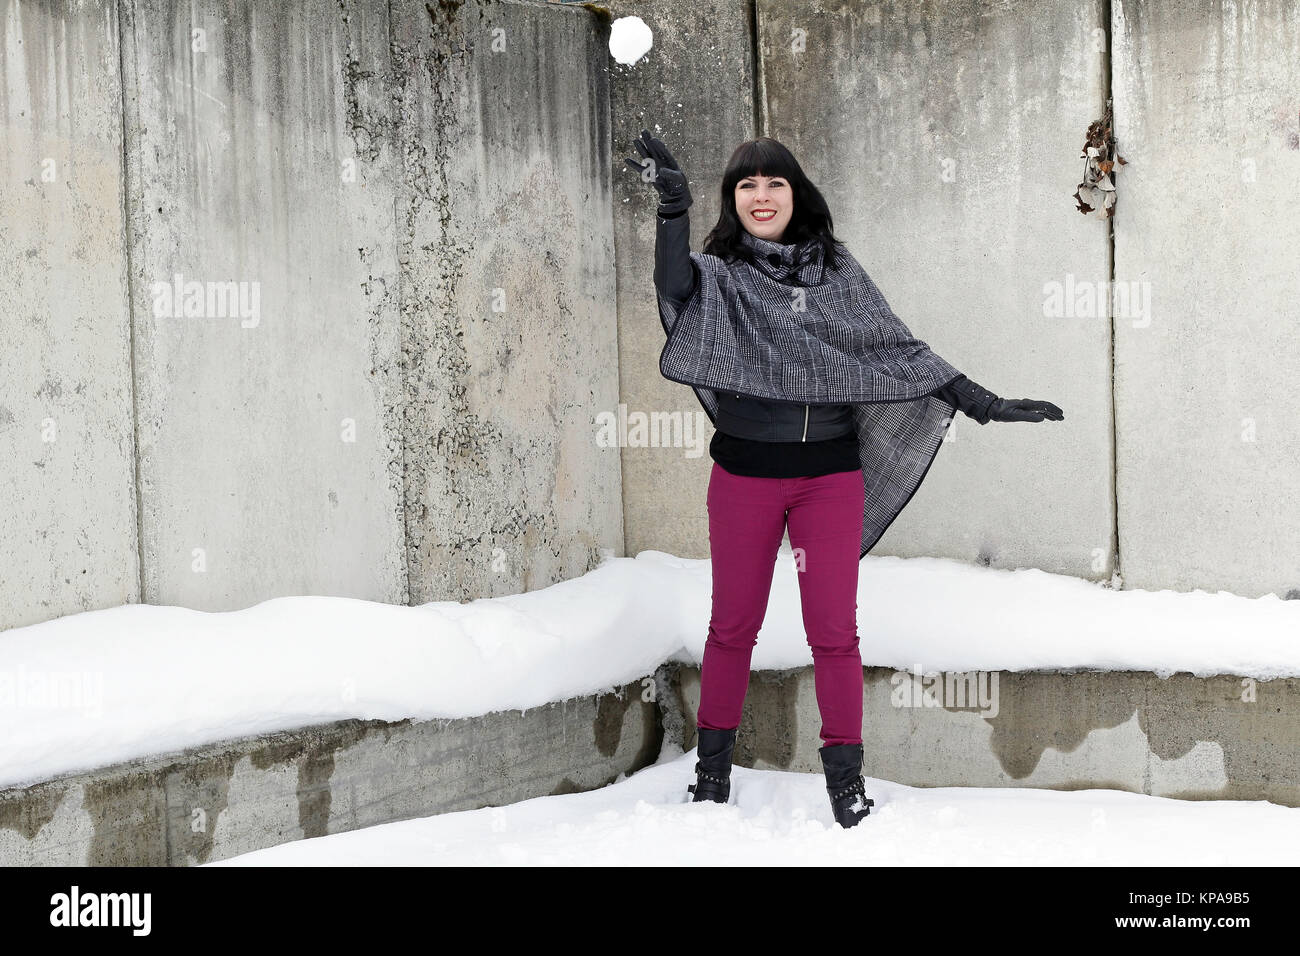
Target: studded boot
713, 768
842, 764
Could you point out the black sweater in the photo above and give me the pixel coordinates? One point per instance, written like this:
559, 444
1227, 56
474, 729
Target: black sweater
675, 277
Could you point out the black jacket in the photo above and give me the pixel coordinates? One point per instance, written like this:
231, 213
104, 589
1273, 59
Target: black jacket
746, 416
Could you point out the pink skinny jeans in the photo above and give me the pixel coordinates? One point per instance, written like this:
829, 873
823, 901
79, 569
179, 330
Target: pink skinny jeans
747, 520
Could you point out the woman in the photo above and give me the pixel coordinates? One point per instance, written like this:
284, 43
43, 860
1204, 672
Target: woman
827, 415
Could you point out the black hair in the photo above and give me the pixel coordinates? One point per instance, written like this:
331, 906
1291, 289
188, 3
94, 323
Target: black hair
810, 218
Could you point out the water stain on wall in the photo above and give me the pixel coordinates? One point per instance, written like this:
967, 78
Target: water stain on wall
612, 716
27, 810
1256, 736
127, 810
196, 795
313, 751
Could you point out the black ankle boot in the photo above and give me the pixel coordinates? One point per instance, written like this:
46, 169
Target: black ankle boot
843, 766
713, 768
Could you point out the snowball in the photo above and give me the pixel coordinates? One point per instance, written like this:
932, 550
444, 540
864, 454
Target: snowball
629, 39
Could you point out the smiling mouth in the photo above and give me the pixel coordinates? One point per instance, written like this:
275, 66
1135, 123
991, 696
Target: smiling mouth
763, 215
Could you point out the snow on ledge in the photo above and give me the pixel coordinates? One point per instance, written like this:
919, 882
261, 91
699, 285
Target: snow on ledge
141, 680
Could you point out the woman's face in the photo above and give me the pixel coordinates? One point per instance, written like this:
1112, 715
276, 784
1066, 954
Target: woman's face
764, 205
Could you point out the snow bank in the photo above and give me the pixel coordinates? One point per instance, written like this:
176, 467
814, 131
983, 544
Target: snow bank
91, 689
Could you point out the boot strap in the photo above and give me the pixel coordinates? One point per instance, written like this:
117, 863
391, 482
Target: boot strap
858, 787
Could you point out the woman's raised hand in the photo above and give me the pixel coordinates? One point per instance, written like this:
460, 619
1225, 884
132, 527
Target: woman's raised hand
658, 168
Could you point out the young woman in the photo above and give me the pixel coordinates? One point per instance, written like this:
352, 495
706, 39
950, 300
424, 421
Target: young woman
827, 415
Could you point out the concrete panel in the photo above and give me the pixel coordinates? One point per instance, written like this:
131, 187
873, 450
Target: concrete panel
946, 138
67, 502
694, 90
228, 798
260, 154
508, 327
1205, 391
1216, 738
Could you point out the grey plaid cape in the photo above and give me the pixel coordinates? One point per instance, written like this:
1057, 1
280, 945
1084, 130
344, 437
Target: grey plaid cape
790, 329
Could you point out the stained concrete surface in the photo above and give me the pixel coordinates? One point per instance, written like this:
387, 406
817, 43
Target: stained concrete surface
232, 797
1199, 738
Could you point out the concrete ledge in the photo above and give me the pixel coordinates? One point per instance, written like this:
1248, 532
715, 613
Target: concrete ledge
1215, 738
232, 797
1186, 737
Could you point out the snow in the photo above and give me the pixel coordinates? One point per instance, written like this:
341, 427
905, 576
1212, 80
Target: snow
146, 680
629, 39
781, 818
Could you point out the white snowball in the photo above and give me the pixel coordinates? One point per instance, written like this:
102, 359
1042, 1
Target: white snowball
629, 39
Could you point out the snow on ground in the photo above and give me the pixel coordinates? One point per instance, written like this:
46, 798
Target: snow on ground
142, 680
783, 818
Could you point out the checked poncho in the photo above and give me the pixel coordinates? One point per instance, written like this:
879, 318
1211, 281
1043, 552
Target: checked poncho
789, 329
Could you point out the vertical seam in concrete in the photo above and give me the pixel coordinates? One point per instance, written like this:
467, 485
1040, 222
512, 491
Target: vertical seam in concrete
398, 145
759, 118
166, 821
127, 245
1148, 731
608, 108
1107, 88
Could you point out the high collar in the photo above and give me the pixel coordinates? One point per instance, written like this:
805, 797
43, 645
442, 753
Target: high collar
766, 247
781, 260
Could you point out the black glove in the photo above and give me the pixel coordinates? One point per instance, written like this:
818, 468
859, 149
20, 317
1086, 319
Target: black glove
660, 169
979, 403
1023, 410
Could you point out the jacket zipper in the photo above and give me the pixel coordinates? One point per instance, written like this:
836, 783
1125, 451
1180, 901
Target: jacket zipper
804, 437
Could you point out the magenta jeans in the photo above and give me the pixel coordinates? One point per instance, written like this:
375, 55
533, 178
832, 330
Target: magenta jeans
747, 520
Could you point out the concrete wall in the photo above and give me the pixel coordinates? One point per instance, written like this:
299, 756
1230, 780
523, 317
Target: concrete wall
505, 230
411, 204
429, 198
947, 154
1206, 394
947, 137
1193, 738
955, 171
269, 439
67, 490
693, 90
